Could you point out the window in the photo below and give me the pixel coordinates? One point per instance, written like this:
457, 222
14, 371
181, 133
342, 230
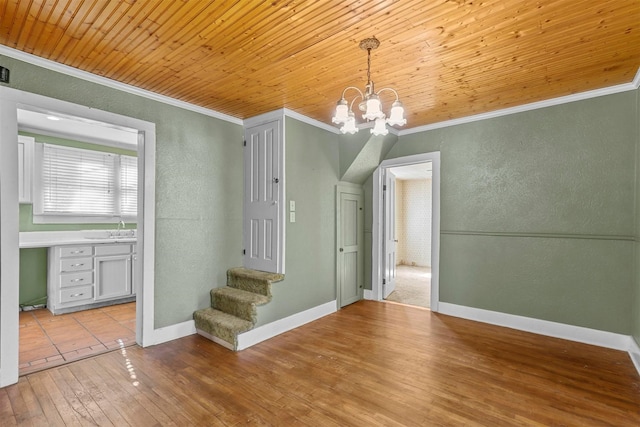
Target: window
78, 185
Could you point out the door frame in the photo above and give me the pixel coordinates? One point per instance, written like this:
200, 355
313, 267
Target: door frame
377, 243
350, 188
10, 101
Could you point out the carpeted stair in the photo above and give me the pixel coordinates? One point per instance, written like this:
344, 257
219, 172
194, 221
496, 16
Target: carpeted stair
233, 308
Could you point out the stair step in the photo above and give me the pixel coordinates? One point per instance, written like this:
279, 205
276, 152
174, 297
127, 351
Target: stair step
222, 325
237, 302
233, 308
255, 281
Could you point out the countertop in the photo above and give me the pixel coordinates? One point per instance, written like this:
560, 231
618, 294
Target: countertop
45, 239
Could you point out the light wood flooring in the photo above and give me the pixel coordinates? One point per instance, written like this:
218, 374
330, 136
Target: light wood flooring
47, 340
369, 364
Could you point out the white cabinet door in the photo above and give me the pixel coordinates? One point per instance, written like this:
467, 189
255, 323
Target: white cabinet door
25, 168
113, 276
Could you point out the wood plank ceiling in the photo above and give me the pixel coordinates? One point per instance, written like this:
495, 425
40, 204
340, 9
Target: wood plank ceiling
447, 58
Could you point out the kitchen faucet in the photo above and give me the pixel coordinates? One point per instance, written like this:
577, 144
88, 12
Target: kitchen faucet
122, 225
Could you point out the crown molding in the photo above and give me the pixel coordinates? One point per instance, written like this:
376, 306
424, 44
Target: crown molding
310, 121
94, 78
625, 87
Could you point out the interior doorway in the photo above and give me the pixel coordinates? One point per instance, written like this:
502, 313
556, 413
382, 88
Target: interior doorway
411, 225
84, 156
10, 102
416, 246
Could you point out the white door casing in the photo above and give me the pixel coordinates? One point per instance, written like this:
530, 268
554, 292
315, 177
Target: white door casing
377, 238
263, 195
389, 196
10, 101
350, 241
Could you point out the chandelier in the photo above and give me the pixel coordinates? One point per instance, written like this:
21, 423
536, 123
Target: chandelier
370, 104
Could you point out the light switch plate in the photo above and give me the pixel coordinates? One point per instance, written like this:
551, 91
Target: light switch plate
292, 206
292, 217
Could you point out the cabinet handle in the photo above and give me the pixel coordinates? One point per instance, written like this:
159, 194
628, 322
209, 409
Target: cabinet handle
77, 280
77, 265
76, 295
77, 252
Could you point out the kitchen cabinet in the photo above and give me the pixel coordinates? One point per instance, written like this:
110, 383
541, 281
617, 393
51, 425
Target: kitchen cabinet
25, 168
89, 276
113, 271
70, 279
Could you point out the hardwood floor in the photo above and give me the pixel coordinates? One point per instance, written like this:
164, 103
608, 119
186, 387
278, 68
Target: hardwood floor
370, 364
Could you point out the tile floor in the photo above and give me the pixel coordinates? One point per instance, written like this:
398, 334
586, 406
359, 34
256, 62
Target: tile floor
47, 340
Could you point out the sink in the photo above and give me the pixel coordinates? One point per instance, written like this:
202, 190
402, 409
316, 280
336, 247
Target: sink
112, 237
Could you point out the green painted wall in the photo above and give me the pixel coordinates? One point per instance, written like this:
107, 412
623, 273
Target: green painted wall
198, 187
312, 172
537, 211
33, 276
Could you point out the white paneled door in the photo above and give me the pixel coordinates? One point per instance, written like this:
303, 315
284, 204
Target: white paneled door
350, 256
390, 239
262, 197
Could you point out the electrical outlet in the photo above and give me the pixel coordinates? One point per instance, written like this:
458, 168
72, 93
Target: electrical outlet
292, 217
292, 205
4, 75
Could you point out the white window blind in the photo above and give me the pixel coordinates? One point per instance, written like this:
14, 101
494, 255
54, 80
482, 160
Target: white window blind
128, 186
87, 183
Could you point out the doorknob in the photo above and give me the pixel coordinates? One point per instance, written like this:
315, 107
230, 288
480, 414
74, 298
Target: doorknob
341, 250
276, 180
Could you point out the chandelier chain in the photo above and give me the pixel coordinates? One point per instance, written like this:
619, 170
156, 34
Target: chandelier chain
369, 66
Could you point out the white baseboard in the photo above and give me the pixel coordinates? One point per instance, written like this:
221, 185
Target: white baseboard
634, 354
270, 330
216, 340
542, 327
173, 332
368, 294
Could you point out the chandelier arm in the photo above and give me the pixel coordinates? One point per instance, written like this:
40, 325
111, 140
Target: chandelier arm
351, 87
388, 88
354, 100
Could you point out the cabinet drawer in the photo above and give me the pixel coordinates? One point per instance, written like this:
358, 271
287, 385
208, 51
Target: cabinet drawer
113, 249
78, 293
75, 251
75, 279
76, 264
